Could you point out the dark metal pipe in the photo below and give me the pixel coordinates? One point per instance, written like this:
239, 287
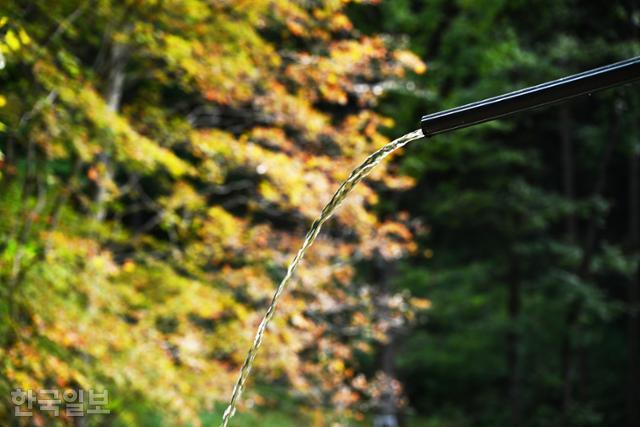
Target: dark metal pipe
532, 97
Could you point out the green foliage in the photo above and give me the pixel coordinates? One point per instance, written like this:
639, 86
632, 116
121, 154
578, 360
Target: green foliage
495, 200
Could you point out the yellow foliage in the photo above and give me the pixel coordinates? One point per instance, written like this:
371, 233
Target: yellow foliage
411, 61
226, 145
11, 40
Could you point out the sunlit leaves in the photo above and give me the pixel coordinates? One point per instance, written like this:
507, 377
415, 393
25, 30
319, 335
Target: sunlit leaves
236, 121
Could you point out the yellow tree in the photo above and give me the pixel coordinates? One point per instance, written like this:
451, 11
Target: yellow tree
162, 160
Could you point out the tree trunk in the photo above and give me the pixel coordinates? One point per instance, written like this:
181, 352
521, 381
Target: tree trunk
513, 342
633, 335
113, 96
568, 175
569, 350
387, 415
568, 170
387, 411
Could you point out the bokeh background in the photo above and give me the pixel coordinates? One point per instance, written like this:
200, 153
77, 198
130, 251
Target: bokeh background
160, 161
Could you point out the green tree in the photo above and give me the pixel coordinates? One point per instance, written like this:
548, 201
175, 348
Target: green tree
527, 260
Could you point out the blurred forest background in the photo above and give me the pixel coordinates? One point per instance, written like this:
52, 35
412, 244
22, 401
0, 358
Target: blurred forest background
160, 161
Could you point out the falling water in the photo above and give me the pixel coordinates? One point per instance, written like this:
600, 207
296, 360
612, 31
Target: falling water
343, 191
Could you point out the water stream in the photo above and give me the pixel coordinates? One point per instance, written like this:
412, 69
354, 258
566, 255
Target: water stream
343, 191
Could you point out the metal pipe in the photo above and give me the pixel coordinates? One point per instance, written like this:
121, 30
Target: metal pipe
532, 97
